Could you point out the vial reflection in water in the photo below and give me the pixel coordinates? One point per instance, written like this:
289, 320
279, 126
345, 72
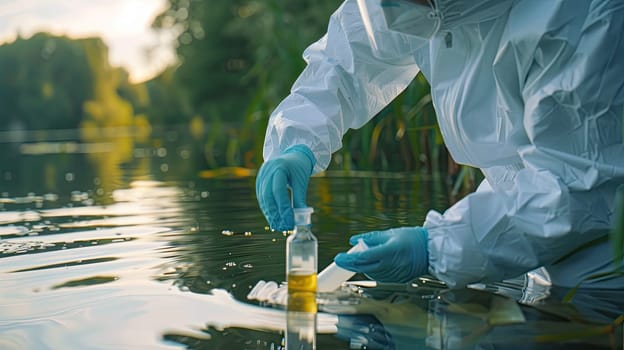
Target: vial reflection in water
301, 321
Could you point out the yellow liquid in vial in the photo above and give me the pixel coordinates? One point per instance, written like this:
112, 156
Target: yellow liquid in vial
301, 283
302, 293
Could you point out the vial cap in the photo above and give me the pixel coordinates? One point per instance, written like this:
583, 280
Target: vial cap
303, 216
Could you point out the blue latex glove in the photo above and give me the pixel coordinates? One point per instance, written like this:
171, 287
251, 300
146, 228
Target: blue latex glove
292, 169
395, 255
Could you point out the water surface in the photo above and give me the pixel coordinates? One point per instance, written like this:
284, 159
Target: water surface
119, 244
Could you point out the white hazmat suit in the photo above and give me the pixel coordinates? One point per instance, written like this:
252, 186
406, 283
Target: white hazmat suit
529, 91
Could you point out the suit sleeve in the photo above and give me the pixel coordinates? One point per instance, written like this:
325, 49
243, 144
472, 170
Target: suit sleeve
343, 86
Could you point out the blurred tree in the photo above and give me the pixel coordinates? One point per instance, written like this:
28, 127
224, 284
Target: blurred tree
52, 82
280, 31
228, 51
136, 94
105, 108
214, 60
238, 59
169, 104
44, 82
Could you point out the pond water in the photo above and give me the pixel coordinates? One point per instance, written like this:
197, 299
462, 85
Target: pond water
120, 244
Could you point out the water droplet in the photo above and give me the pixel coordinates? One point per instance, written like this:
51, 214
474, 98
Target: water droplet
248, 234
139, 153
69, 177
50, 197
161, 152
205, 194
185, 154
77, 196
233, 285
248, 266
227, 233
164, 167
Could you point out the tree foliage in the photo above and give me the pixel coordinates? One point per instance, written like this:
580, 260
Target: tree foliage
237, 61
44, 82
168, 101
53, 82
213, 60
231, 51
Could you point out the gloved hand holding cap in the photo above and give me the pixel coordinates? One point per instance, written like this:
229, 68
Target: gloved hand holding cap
394, 255
291, 169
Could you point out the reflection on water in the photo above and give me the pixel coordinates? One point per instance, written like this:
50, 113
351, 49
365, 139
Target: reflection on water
141, 249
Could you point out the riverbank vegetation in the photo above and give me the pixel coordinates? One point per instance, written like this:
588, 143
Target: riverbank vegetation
237, 60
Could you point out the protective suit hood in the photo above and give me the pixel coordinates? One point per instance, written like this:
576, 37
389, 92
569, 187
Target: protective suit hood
458, 12
394, 25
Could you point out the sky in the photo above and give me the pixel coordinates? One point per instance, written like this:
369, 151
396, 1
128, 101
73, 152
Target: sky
123, 24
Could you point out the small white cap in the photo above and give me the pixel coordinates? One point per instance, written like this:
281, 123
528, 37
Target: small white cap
303, 216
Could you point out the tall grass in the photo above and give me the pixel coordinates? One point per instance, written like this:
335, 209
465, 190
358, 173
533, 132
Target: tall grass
616, 237
403, 137
617, 234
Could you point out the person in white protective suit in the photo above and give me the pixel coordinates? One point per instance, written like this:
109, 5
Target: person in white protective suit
529, 91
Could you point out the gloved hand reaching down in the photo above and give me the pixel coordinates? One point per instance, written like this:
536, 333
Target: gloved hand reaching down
292, 169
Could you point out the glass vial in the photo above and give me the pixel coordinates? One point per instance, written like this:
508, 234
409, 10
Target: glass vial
301, 271
301, 255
